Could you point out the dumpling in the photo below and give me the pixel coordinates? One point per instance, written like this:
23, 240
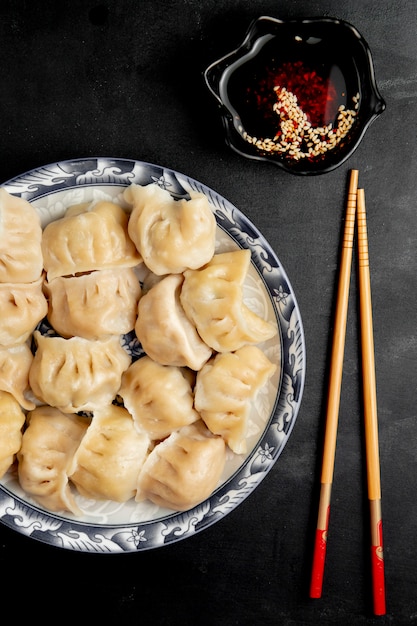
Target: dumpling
48, 446
100, 303
224, 389
12, 419
171, 235
212, 298
88, 238
20, 240
163, 329
183, 470
108, 461
15, 364
77, 374
159, 397
22, 307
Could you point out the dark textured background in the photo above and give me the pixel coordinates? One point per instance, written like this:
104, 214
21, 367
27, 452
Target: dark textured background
124, 79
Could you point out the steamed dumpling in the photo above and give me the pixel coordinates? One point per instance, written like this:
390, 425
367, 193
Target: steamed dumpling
22, 307
77, 374
48, 446
12, 419
20, 240
225, 387
183, 470
171, 235
212, 298
15, 364
100, 303
165, 332
108, 461
87, 238
159, 397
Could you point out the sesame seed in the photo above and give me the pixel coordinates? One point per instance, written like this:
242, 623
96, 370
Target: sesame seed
297, 138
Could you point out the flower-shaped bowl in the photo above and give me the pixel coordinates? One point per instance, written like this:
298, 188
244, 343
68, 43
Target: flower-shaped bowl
299, 93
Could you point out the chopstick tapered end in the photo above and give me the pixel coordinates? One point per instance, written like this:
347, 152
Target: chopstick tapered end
320, 541
377, 558
319, 557
378, 581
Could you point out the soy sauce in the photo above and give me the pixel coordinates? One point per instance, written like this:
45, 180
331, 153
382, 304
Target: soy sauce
321, 85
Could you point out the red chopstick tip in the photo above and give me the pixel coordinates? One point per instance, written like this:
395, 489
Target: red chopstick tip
319, 557
378, 576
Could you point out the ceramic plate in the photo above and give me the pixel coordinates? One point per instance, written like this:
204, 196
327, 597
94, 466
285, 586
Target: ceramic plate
109, 527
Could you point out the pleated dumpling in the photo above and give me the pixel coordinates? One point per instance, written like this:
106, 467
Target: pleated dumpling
20, 240
15, 364
212, 298
103, 302
106, 466
184, 469
171, 235
159, 397
88, 237
22, 306
48, 446
224, 389
77, 374
165, 332
12, 419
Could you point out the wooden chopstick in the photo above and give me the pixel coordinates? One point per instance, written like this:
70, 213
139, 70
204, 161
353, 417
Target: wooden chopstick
370, 411
333, 397
355, 205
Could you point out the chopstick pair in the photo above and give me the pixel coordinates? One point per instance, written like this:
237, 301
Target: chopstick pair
355, 205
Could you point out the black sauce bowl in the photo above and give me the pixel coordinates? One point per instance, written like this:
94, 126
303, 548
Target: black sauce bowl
333, 48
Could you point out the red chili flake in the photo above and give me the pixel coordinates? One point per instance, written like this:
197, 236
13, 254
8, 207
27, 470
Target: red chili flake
317, 96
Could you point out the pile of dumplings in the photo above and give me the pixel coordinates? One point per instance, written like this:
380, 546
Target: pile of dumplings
77, 413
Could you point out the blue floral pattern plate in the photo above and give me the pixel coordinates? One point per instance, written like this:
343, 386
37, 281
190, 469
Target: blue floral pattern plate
110, 527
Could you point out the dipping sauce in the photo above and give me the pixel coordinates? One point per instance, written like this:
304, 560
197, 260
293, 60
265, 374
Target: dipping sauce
318, 97
295, 105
